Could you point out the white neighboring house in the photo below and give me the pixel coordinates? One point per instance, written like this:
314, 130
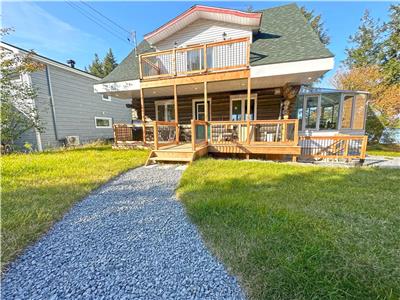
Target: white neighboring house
67, 106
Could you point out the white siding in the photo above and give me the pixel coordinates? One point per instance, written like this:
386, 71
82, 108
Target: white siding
204, 31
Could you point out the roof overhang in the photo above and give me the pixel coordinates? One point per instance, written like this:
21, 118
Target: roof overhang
196, 12
47, 61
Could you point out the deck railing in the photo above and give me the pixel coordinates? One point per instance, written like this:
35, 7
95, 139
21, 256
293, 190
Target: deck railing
165, 133
260, 132
199, 134
211, 57
334, 147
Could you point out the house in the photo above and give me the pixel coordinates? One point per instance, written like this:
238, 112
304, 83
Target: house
223, 81
67, 106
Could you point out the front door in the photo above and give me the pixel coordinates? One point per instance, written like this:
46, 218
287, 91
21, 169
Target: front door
199, 114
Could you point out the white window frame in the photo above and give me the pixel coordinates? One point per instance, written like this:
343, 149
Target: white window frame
163, 103
103, 118
243, 98
105, 97
200, 100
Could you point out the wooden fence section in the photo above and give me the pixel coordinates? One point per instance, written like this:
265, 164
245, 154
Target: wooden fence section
202, 58
334, 147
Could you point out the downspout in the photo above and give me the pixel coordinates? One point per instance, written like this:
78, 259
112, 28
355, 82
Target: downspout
51, 97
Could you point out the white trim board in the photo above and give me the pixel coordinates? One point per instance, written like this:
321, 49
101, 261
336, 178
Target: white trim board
115, 87
303, 66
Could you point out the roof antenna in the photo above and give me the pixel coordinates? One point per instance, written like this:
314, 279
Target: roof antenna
133, 36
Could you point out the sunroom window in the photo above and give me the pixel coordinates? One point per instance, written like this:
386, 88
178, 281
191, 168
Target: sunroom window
331, 110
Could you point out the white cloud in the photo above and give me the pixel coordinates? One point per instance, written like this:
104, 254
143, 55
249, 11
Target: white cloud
37, 29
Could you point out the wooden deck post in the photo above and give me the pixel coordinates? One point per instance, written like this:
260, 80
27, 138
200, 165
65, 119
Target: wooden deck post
143, 115
205, 112
193, 135
364, 147
155, 135
176, 114
248, 108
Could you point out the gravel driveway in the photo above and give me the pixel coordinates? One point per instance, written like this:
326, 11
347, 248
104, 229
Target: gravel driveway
130, 239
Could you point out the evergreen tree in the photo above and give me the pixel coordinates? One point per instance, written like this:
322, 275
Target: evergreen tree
391, 47
109, 63
96, 67
317, 24
367, 49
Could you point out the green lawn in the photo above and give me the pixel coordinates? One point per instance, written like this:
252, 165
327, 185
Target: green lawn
37, 189
384, 150
299, 232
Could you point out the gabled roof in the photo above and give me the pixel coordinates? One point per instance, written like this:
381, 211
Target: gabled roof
284, 36
203, 12
46, 60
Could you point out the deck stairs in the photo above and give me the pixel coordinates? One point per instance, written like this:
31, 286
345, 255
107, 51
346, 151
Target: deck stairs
176, 153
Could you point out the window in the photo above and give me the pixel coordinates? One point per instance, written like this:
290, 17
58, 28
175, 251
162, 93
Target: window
329, 116
311, 112
239, 107
198, 109
105, 97
101, 122
195, 60
347, 111
324, 111
359, 111
165, 110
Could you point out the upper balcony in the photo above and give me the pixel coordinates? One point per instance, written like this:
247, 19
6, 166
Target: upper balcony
198, 59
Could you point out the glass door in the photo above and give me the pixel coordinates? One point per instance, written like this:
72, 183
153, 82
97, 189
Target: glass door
199, 114
311, 112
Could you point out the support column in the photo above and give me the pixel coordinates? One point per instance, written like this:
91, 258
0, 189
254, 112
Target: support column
205, 111
176, 114
143, 115
248, 108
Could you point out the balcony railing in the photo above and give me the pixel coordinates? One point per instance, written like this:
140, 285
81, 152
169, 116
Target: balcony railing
205, 58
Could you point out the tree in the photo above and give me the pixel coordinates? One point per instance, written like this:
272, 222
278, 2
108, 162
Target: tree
384, 104
96, 67
317, 24
391, 46
109, 63
367, 45
18, 110
102, 68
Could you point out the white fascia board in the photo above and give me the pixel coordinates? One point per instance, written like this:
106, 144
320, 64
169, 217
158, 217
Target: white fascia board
303, 66
121, 86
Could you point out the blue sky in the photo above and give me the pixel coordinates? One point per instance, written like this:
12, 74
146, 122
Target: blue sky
61, 32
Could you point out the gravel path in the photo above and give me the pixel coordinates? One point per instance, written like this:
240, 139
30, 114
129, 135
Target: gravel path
130, 239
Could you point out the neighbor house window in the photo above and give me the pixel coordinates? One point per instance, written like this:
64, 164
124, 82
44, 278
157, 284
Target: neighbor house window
102, 122
106, 97
165, 110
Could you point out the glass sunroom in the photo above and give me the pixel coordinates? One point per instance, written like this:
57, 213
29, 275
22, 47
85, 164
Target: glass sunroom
330, 111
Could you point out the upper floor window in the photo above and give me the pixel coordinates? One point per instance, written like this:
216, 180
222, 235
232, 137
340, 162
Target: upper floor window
105, 97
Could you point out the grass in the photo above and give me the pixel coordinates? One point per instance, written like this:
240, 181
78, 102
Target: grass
37, 189
384, 150
299, 232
